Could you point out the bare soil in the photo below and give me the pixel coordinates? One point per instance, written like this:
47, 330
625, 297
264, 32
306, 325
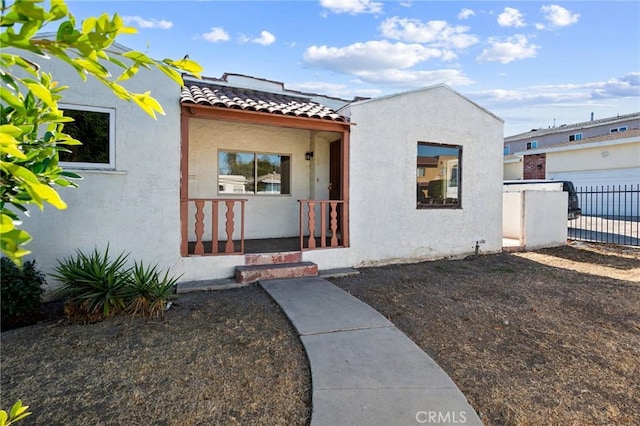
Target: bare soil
548, 337
216, 358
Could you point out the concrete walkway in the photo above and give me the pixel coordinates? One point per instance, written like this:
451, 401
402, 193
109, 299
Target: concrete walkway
364, 371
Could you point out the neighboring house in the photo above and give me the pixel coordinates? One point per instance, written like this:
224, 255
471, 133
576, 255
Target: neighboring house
540, 138
604, 163
238, 161
596, 153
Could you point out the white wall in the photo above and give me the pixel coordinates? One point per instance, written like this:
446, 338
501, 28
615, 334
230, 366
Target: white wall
385, 224
536, 218
545, 219
134, 208
513, 170
512, 222
603, 157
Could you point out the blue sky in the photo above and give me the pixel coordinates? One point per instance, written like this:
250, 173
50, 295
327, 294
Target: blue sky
531, 63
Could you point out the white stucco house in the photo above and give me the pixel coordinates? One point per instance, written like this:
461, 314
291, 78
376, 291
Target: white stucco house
241, 165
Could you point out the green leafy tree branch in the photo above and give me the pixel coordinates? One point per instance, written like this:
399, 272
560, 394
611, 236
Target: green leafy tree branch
31, 123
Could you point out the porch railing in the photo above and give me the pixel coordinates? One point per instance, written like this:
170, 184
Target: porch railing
323, 224
204, 214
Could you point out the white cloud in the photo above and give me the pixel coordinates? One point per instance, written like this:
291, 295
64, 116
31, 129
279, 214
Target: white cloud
337, 90
352, 7
465, 13
511, 18
369, 56
437, 33
265, 39
147, 23
216, 34
415, 78
329, 89
627, 86
508, 50
558, 16
537, 106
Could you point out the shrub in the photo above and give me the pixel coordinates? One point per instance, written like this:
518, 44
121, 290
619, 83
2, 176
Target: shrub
150, 292
22, 290
95, 285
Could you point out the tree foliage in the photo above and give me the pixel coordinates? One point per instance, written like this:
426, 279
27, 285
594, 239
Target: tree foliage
31, 123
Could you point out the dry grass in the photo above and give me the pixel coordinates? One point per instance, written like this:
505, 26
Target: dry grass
551, 337
228, 357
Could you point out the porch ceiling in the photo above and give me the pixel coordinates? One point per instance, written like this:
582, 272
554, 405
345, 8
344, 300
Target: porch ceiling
255, 100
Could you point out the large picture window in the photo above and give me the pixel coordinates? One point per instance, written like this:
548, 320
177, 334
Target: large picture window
95, 128
438, 177
253, 173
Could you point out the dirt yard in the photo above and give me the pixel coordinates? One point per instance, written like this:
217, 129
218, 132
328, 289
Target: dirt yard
541, 338
221, 358
549, 337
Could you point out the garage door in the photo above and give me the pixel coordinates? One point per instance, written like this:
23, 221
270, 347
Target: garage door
600, 177
596, 199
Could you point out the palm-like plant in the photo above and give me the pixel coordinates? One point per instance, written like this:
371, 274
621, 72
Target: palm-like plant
94, 282
150, 291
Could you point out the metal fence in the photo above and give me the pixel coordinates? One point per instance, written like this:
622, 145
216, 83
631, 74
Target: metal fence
610, 214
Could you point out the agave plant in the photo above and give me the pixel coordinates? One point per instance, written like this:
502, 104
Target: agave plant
95, 283
150, 291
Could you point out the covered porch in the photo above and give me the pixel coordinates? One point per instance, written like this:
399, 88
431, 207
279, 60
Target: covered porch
261, 172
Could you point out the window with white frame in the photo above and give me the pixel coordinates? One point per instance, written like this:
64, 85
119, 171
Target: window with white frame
532, 145
618, 129
254, 173
95, 128
575, 137
438, 176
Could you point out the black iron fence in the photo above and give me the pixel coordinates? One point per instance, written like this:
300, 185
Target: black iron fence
610, 214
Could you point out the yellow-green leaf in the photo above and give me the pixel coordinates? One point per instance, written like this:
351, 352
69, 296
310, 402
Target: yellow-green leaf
9, 145
127, 30
93, 67
173, 74
20, 172
49, 195
9, 98
6, 224
88, 24
41, 92
138, 57
139, 100
188, 65
153, 103
128, 73
10, 243
8, 129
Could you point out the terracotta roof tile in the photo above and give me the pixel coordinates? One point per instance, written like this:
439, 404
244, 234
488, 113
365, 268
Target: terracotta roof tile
255, 100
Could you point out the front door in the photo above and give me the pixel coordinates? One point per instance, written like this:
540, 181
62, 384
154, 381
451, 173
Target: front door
335, 177
335, 170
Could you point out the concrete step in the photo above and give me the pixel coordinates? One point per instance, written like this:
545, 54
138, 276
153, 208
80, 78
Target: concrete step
252, 273
273, 258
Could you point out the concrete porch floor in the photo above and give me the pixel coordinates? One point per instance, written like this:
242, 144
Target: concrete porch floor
262, 245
